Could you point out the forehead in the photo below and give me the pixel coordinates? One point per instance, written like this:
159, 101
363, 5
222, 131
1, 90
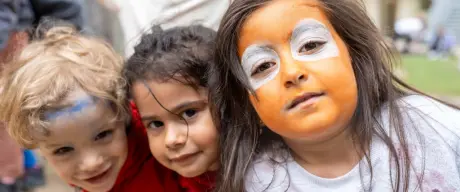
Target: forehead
79, 125
169, 93
275, 21
79, 107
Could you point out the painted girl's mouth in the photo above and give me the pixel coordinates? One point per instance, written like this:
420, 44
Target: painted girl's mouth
302, 98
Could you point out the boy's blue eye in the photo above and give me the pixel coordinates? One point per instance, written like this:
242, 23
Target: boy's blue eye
155, 124
104, 134
63, 150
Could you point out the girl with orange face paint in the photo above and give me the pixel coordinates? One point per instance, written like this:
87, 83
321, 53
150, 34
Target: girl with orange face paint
307, 102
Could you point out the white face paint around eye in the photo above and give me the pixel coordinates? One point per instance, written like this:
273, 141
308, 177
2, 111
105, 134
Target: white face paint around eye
260, 64
312, 41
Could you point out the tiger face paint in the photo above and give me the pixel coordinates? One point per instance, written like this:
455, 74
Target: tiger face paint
300, 70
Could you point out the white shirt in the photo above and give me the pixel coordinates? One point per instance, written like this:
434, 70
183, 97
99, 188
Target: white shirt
439, 128
137, 16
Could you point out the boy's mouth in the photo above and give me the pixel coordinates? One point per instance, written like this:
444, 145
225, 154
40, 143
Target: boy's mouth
99, 178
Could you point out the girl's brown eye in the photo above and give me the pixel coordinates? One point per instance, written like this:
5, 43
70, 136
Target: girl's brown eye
189, 113
311, 47
155, 124
263, 67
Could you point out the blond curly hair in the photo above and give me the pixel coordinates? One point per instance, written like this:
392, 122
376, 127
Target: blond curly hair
46, 71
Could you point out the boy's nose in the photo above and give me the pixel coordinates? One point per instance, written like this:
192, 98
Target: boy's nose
92, 162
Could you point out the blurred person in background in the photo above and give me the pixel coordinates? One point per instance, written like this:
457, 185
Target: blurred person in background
11, 162
137, 16
102, 21
409, 29
441, 45
18, 16
17, 19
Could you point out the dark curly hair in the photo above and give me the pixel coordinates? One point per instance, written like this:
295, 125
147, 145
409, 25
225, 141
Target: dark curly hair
166, 54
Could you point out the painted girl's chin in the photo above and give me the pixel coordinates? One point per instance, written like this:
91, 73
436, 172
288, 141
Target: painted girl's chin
298, 133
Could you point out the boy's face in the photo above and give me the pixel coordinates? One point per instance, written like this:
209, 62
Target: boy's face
188, 147
85, 145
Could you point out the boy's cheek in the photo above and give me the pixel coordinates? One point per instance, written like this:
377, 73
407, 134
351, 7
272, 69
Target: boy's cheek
64, 169
119, 145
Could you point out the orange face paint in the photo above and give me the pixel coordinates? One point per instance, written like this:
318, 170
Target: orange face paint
299, 68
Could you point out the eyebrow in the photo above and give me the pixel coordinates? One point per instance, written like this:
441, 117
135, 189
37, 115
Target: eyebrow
51, 146
304, 27
177, 108
255, 50
98, 129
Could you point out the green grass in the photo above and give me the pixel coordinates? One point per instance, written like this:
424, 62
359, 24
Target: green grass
434, 77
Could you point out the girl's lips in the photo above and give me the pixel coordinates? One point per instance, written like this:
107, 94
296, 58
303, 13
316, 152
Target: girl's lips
184, 158
302, 98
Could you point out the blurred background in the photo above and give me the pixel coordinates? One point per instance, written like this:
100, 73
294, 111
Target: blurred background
426, 33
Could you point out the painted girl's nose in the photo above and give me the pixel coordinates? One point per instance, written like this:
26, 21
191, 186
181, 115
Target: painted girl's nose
293, 73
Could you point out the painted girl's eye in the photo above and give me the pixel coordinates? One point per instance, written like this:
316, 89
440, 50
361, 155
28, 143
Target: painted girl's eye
63, 151
189, 113
104, 134
155, 124
311, 47
263, 67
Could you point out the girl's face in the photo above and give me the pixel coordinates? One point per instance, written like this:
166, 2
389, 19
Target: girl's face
300, 70
188, 147
85, 145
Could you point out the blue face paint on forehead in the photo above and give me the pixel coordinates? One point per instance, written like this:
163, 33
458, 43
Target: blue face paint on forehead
78, 106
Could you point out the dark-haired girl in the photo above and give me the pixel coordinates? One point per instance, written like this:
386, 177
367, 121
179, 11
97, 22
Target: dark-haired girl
168, 83
317, 74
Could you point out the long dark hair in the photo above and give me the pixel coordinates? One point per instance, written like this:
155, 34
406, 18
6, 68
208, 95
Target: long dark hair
372, 61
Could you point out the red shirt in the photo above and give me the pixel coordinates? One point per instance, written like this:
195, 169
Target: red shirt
202, 183
141, 171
